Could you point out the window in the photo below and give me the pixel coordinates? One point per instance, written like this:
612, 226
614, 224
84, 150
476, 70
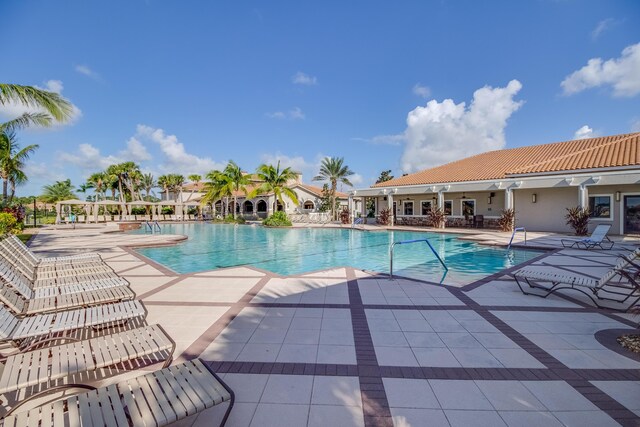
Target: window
468, 207
425, 207
308, 205
448, 207
408, 208
600, 207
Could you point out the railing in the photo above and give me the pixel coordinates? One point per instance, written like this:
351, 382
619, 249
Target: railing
515, 230
393, 245
153, 226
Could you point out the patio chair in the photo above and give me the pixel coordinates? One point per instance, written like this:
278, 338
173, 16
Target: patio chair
597, 239
23, 306
11, 242
478, 221
628, 291
30, 331
34, 374
158, 398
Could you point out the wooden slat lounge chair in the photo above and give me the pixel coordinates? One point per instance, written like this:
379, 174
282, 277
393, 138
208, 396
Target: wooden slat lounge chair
44, 367
155, 399
597, 239
22, 306
18, 330
602, 289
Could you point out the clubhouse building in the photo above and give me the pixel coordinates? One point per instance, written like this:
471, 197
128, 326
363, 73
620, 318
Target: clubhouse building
539, 182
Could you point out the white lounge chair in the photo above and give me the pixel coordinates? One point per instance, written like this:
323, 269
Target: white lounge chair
47, 370
155, 399
12, 242
602, 289
597, 239
30, 330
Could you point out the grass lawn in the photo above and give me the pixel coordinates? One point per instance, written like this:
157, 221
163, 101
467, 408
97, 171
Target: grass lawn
24, 237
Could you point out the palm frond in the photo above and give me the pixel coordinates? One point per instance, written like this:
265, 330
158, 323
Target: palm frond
57, 106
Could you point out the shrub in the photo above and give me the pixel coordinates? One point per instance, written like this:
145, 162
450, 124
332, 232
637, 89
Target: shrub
167, 210
138, 211
383, 217
278, 219
436, 217
344, 215
578, 219
507, 220
8, 223
231, 219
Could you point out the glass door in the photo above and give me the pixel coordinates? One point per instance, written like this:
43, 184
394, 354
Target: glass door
632, 214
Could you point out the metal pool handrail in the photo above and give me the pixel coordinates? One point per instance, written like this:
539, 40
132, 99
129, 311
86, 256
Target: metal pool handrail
515, 230
393, 245
152, 226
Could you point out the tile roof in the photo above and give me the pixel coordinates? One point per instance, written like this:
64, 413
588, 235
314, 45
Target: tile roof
317, 191
558, 157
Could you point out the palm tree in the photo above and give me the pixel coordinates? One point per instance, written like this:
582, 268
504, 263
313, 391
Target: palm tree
334, 170
238, 181
12, 159
163, 181
195, 178
84, 187
147, 183
218, 186
60, 190
53, 103
175, 183
275, 181
122, 173
97, 182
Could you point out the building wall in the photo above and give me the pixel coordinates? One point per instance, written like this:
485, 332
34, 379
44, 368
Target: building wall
547, 214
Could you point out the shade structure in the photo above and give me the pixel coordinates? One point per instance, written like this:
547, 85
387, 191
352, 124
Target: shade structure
69, 202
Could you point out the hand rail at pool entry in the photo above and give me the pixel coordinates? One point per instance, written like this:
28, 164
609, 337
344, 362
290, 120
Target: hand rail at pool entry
514, 233
152, 226
393, 245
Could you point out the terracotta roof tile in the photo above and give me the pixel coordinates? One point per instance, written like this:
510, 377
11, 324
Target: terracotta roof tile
592, 153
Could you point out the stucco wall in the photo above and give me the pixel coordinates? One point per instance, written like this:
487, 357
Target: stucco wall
547, 214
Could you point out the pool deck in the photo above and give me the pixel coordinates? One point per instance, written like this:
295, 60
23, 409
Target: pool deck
344, 347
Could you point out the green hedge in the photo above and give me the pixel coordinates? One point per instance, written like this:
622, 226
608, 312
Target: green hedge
278, 219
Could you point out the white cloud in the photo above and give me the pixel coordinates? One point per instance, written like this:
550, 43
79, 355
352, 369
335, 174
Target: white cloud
293, 114
622, 73
442, 132
635, 125
602, 26
301, 78
584, 132
42, 172
383, 139
89, 158
85, 70
356, 179
421, 90
11, 110
177, 159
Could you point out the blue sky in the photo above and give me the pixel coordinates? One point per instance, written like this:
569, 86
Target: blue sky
185, 86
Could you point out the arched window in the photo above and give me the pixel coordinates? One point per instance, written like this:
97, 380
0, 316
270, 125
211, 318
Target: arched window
308, 205
248, 206
261, 206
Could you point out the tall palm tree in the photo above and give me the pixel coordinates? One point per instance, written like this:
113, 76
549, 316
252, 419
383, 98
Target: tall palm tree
333, 170
59, 190
195, 178
12, 159
274, 180
238, 181
219, 187
53, 103
84, 187
163, 181
147, 183
176, 181
97, 181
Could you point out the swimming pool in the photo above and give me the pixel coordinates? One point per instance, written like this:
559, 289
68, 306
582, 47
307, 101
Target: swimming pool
293, 251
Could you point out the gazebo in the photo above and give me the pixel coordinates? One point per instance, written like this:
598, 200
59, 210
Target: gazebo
71, 202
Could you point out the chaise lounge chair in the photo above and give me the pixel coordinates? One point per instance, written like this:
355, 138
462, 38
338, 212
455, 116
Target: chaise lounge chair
602, 289
155, 399
22, 331
41, 369
597, 239
16, 244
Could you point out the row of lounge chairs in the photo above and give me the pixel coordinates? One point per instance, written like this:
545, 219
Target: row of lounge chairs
619, 284
57, 331
117, 218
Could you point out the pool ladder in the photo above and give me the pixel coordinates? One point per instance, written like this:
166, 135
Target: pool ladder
153, 226
404, 242
515, 230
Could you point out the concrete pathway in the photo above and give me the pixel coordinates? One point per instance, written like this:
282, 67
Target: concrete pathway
346, 348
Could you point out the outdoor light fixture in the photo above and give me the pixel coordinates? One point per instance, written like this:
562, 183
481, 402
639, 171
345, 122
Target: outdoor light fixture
534, 198
617, 196
489, 200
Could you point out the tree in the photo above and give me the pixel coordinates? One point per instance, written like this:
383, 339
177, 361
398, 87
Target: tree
238, 181
174, 184
274, 180
333, 170
163, 181
147, 183
384, 176
12, 159
54, 104
60, 190
124, 175
195, 178
84, 187
325, 200
97, 182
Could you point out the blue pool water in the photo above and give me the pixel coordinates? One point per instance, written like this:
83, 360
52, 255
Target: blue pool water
299, 250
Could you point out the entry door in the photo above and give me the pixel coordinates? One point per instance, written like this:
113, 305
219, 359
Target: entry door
632, 214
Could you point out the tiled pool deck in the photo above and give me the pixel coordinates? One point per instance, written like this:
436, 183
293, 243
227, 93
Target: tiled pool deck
346, 348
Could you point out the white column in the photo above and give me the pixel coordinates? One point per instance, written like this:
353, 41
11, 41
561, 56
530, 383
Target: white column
441, 199
583, 196
350, 207
390, 207
508, 199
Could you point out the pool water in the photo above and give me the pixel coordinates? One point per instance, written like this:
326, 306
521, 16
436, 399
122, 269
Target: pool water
293, 251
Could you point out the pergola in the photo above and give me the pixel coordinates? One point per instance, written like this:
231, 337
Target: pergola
72, 202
